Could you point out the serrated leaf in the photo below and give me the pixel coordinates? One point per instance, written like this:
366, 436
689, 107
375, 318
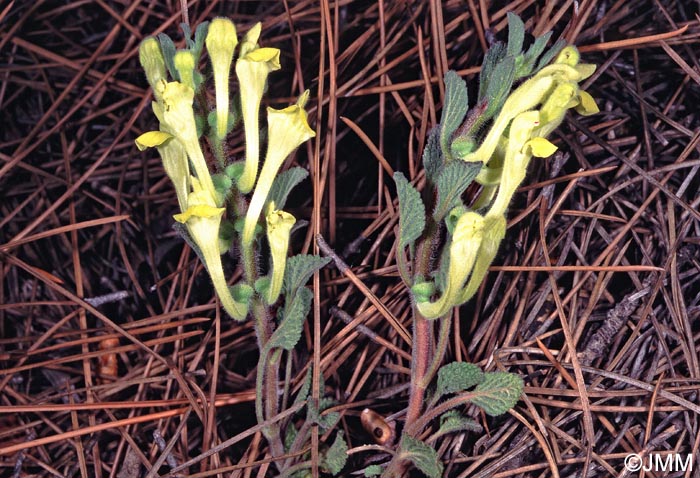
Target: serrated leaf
291, 324
452, 181
516, 34
498, 393
433, 158
283, 185
499, 86
424, 457
493, 56
454, 109
305, 387
411, 211
168, 48
337, 455
299, 269
327, 420
453, 421
458, 376
373, 470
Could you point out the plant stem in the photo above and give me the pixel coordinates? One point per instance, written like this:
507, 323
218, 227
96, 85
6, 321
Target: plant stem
419, 365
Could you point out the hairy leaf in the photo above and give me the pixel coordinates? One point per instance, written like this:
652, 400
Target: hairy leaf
336, 456
498, 393
296, 309
452, 181
299, 269
305, 387
453, 421
373, 470
433, 158
422, 456
499, 86
453, 111
516, 34
168, 48
411, 211
526, 63
493, 56
458, 376
283, 185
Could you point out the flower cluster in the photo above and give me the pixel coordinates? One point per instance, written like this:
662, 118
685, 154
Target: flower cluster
520, 131
180, 107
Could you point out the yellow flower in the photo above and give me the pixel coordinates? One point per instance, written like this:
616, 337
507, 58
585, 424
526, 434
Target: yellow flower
466, 238
279, 225
518, 152
252, 67
177, 116
174, 161
153, 63
184, 64
221, 41
494, 232
203, 219
286, 130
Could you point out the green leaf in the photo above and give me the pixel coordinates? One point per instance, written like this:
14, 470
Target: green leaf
296, 309
453, 111
200, 35
305, 387
168, 48
327, 420
290, 435
433, 158
299, 269
453, 421
283, 185
336, 456
452, 181
422, 456
411, 211
493, 56
458, 376
373, 470
516, 34
498, 393
526, 62
499, 86
551, 53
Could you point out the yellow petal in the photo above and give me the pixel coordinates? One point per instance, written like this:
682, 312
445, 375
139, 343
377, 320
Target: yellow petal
541, 147
587, 106
201, 211
152, 139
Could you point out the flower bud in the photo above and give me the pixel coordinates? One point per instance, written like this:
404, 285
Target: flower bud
221, 41
152, 62
184, 64
279, 226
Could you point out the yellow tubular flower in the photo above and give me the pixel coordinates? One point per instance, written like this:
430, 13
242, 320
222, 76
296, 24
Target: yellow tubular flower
494, 232
279, 225
466, 239
153, 63
203, 220
174, 161
178, 117
525, 97
252, 67
286, 130
516, 160
554, 108
221, 41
